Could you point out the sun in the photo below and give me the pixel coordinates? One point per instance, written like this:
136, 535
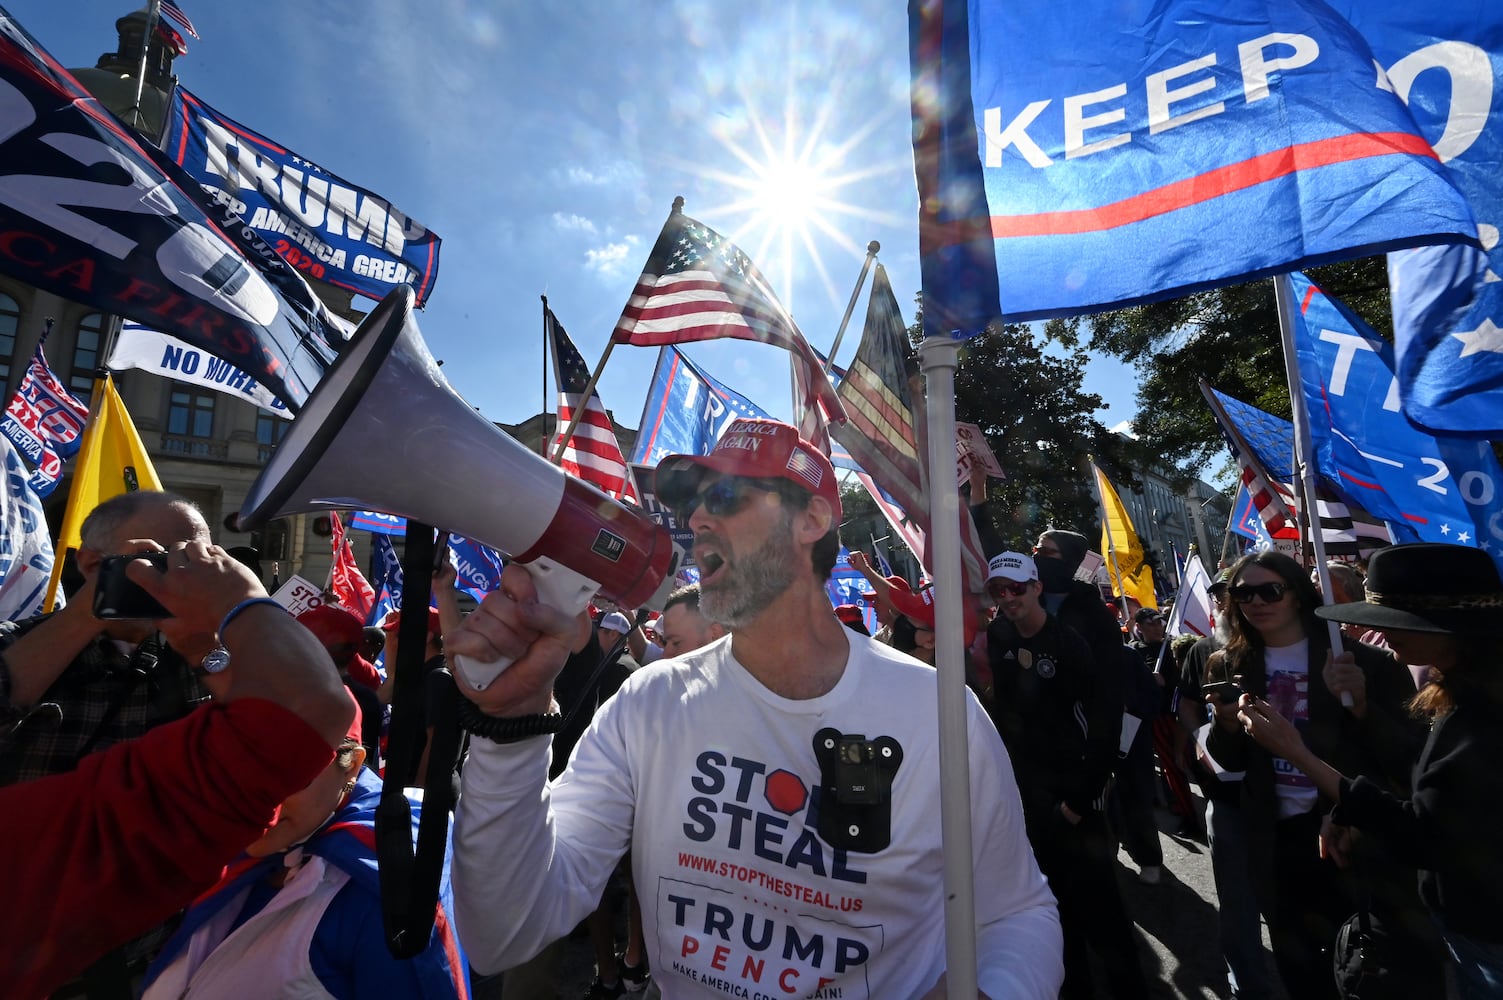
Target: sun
796, 193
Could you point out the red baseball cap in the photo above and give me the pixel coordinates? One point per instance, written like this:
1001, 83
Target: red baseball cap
434, 628
332, 623
752, 448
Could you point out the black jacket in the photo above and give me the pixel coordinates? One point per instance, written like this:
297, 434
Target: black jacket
1059, 713
1384, 744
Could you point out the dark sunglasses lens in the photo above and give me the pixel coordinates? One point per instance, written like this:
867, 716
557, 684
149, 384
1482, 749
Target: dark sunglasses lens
1268, 593
722, 498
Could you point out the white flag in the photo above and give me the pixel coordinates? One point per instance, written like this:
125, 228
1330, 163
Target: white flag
144, 348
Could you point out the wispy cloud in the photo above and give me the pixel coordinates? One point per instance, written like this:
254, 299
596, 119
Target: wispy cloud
570, 222
619, 173
613, 259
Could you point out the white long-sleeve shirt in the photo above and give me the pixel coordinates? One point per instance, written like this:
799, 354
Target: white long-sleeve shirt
712, 781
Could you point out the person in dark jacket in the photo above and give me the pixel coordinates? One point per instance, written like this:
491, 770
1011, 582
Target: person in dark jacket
1441, 605
1278, 652
1077, 604
1060, 715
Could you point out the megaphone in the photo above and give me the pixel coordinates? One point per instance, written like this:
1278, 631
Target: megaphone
385, 431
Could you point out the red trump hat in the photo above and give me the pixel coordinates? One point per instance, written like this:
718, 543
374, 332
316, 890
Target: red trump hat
752, 448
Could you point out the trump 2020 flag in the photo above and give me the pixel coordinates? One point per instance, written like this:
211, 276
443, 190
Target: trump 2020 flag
686, 410
96, 216
26, 555
45, 421
1428, 488
317, 221
1446, 62
1079, 155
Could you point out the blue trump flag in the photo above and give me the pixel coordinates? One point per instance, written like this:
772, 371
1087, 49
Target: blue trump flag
1428, 488
1245, 518
477, 567
95, 215
1446, 62
1079, 155
317, 221
686, 411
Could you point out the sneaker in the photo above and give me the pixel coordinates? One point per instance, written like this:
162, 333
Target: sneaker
600, 991
1150, 874
634, 978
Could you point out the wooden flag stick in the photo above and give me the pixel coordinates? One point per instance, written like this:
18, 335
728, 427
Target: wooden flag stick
850, 307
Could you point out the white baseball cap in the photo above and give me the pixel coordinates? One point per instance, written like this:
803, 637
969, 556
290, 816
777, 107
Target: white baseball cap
616, 622
1014, 566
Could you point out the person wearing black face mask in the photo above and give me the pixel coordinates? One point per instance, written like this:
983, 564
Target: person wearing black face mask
1075, 603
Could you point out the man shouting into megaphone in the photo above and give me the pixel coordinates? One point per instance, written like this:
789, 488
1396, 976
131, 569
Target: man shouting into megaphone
778, 789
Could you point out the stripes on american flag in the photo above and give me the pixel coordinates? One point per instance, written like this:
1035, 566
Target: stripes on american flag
698, 285
593, 454
175, 14
882, 437
1346, 530
879, 433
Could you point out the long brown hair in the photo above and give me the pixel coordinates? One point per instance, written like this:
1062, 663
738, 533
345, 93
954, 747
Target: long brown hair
1246, 642
1475, 674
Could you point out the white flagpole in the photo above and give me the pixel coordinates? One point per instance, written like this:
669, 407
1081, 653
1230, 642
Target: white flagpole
1304, 450
939, 357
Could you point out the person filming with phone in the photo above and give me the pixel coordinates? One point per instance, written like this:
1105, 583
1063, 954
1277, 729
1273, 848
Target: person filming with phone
1279, 651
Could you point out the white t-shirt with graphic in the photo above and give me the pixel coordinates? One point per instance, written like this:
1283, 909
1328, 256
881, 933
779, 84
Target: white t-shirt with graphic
1288, 669
713, 782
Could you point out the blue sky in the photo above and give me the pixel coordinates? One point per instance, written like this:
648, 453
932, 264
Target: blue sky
545, 143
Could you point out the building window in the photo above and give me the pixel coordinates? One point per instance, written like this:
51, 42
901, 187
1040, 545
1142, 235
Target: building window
269, 433
10, 321
86, 355
191, 412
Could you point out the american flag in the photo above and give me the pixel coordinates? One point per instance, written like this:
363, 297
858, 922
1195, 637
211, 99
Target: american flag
698, 285
881, 434
593, 453
1262, 445
175, 13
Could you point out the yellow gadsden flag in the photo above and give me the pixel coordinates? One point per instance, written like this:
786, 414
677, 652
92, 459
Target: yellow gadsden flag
1121, 548
111, 461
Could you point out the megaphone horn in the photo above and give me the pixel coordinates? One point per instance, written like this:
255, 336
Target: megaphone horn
385, 431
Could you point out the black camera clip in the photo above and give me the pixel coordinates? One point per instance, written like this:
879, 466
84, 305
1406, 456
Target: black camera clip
855, 779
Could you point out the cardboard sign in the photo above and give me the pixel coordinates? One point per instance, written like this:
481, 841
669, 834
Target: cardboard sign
298, 595
971, 449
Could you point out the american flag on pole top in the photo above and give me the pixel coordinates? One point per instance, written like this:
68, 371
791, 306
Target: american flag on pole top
698, 285
175, 13
593, 453
1262, 445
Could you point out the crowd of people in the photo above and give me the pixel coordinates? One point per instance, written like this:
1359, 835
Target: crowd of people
750, 783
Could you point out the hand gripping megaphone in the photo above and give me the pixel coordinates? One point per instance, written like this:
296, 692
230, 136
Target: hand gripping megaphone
385, 431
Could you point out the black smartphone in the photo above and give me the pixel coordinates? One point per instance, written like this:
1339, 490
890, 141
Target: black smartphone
1227, 691
116, 596
440, 551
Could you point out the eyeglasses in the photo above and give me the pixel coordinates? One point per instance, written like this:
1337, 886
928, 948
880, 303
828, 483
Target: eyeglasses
997, 588
1268, 593
723, 497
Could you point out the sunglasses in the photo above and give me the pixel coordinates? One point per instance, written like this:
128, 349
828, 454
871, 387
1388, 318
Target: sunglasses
1011, 589
723, 497
1268, 593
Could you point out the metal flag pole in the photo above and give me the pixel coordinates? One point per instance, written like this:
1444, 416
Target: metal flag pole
850, 307
1304, 450
543, 423
153, 15
610, 345
939, 357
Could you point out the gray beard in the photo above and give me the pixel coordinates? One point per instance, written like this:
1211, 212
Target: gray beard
754, 581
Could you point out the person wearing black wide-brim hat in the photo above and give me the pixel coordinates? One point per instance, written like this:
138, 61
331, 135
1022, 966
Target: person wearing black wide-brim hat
1442, 605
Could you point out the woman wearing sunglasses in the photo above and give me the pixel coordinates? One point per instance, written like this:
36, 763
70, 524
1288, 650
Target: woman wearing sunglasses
1278, 652
1441, 605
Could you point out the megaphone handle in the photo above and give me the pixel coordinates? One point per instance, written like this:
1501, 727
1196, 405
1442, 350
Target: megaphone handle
558, 587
